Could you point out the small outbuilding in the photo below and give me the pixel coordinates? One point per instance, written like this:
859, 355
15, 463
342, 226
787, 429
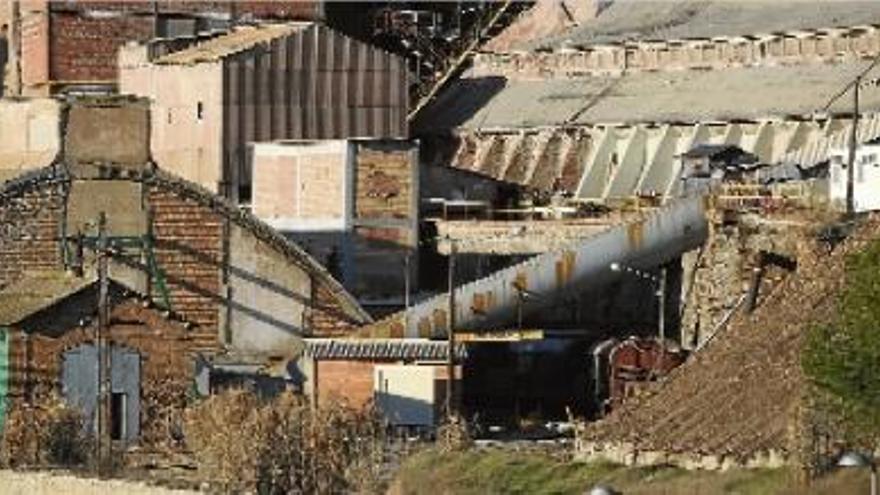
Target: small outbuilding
405, 379
48, 347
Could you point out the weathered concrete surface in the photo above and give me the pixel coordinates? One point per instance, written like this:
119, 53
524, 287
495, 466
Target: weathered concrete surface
269, 297
680, 19
683, 96
29, 135
788, 48
116, 133
42, 483
517, 236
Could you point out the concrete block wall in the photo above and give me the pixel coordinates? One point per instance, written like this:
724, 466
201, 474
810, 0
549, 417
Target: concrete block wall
816, 46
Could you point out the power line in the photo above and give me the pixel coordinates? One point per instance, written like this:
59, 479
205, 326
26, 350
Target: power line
854, 81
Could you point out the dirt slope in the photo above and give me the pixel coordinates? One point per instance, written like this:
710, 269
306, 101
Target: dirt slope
738, 396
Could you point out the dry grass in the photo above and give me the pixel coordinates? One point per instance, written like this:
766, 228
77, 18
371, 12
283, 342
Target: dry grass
284, 445
48, 433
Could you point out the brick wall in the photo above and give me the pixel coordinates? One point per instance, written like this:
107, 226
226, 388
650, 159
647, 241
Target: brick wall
271, 9
85, 49
349, 381
29, 229
166, 363
326, 316
384, 184
189, 250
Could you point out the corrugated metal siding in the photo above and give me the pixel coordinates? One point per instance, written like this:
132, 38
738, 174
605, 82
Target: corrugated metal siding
313, 84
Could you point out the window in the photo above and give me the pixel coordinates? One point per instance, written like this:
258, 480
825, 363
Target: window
200, 111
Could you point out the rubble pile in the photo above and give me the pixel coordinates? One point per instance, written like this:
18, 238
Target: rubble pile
739, 397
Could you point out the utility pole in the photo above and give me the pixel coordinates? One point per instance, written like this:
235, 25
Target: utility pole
661, 306
853, 142
406, 282
450, 334
406, 291
103, 349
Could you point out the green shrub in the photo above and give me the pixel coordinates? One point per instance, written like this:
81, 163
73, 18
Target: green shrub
843, 359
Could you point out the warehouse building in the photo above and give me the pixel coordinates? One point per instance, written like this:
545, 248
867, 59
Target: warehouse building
261, 83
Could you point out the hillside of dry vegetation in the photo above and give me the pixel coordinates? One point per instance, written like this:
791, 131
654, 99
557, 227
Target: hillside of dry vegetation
744, 393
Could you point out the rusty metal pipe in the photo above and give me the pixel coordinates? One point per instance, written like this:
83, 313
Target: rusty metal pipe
663, 235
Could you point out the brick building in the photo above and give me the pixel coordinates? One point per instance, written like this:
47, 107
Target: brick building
47, 322
75, 43
261, 83
245, 287
397, 374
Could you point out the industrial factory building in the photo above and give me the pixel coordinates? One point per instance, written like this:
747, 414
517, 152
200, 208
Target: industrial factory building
261, 83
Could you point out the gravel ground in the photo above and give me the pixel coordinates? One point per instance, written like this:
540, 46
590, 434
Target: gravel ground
45, 483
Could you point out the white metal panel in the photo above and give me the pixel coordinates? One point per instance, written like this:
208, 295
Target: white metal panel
406, 394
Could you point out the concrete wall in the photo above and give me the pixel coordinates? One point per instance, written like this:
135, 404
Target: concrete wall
29, 135
614, 162
108, 133
181, 139
269, 297
813, 46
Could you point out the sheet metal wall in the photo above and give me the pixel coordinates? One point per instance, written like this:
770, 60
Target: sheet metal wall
314, 84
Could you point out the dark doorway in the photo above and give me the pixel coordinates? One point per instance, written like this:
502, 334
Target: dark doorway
118, 403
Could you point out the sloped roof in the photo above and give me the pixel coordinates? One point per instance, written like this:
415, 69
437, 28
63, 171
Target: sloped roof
625, 20
239, 40
38, 291
58, 173
680, 96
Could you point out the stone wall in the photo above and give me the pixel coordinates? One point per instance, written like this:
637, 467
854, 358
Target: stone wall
718, 276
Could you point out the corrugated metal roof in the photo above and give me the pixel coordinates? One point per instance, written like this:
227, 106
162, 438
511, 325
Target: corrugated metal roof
37, 291
403, 349
236, 41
